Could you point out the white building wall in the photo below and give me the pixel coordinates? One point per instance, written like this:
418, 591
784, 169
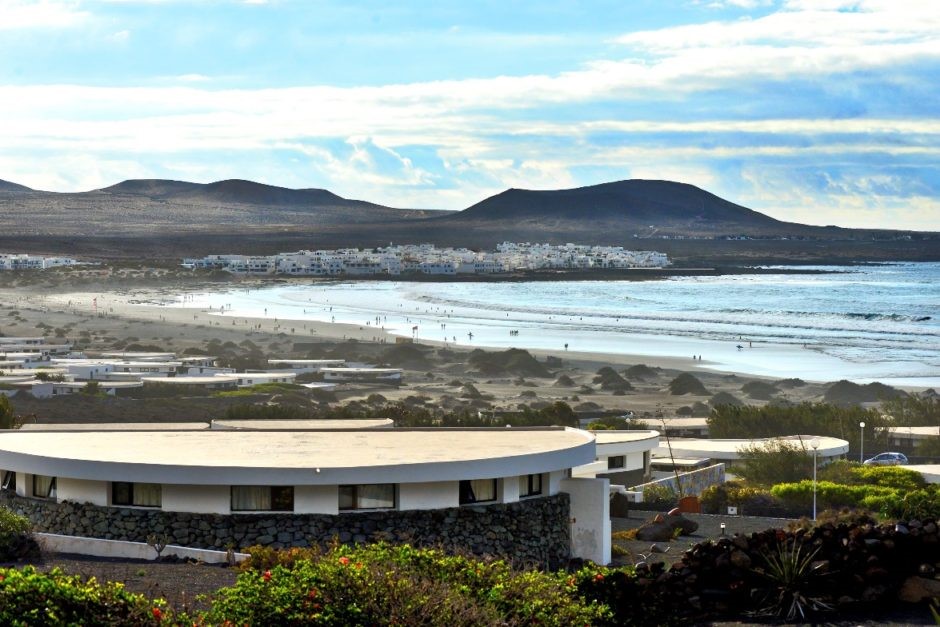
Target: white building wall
431, 495
316, 499
554, 481
508, 489
82, 491
197, 499
590, 518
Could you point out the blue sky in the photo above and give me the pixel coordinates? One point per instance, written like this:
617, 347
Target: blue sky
818, 111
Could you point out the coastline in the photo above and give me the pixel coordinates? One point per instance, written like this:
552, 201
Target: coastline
138, 306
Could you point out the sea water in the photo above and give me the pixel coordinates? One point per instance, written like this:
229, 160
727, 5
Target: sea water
864, 323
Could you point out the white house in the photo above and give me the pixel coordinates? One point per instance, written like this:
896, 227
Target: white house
389, 376
248, 379
332, 472
214, 382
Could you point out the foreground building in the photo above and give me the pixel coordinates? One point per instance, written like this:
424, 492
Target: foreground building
505, 492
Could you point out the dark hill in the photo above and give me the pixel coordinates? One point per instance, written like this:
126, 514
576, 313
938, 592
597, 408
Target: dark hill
152, 188
234, 191
635, 206
7, 186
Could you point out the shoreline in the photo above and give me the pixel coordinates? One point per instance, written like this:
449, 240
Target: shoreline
141, 306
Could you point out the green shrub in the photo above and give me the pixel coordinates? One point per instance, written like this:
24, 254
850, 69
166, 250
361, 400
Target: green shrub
28, 597
16, 540
829, 494
381, 584
896, 477
659, 496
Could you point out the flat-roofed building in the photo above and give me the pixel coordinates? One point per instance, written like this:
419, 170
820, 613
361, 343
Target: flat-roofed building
386, 376
507, 490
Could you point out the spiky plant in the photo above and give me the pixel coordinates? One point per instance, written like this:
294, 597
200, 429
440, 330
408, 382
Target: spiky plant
790, 570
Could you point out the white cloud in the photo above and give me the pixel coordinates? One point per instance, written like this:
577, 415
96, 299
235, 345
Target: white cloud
45, 14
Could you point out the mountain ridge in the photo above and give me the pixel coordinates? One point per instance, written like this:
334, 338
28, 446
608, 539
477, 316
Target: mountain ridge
8, 186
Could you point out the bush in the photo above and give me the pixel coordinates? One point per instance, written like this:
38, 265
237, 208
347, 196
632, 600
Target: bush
28, 597
16, 541
381, 584
658, 496
750, 500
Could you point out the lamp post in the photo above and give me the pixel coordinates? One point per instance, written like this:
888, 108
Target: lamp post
815, 444
861, 448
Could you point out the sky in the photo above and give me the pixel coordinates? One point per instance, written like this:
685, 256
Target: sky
816, 111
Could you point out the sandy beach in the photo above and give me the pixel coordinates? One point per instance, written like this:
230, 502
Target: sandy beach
103, 319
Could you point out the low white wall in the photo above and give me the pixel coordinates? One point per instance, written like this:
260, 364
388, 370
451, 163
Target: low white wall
55, 543
197, 499
428, 495
316, 499
82, 491
590, 518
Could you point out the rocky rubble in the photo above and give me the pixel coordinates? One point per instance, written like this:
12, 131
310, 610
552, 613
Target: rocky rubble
844, 566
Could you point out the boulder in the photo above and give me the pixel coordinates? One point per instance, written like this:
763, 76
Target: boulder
663, 528
917, 589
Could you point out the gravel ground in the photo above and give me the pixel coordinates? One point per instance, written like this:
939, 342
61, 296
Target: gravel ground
180, 583
709, 528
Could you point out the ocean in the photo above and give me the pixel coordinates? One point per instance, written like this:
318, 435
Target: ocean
864, 323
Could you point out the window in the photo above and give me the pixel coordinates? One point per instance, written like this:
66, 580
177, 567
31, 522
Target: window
368, 496
44, 486
9, 480
477, 491
259, 498
617, 461
136, 494
530, 485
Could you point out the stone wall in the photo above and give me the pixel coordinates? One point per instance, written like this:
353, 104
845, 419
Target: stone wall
693, 483
530, 532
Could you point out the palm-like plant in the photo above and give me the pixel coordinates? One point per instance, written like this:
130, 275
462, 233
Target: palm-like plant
790, 570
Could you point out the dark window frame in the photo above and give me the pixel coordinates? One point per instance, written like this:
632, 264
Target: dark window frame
531, 490
616, 462
354, 487
466, 496
130, 495
49, 493
278, 501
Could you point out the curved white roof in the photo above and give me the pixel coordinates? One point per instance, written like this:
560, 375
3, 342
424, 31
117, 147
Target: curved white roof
301, 424
619, 442
730, 449
295, 457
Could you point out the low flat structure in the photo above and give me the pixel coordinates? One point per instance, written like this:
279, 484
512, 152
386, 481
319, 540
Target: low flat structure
214, 382
907, 439
306, 365
319, 385
249, 379
623, 456
391, 376
729, 451
115, 426
227, 483
304, 425
111, 388
684, 427
138, 356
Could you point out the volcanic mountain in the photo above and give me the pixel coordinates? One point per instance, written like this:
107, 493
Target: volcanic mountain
630, 207
153, 218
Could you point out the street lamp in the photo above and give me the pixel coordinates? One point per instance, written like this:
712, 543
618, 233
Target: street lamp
861, 449
815, 444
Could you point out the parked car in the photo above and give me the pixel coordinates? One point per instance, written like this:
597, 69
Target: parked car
887, 459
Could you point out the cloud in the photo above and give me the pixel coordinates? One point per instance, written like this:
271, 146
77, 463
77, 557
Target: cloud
45, 14
816, 103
